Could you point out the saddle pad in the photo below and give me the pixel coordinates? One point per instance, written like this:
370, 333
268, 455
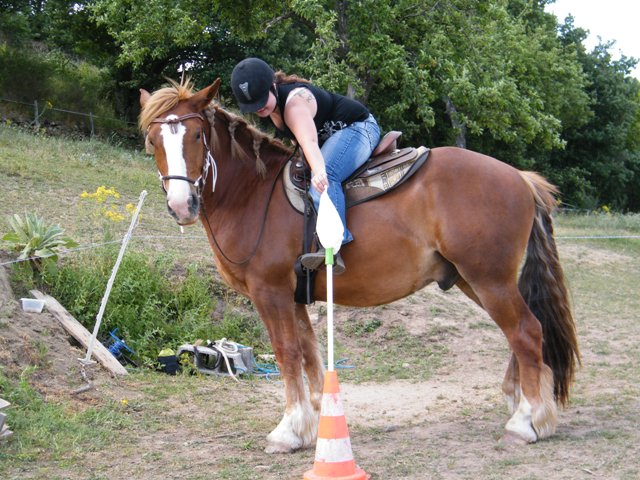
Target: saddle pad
374, 179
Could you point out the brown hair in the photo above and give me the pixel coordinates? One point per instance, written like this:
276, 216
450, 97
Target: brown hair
282, 78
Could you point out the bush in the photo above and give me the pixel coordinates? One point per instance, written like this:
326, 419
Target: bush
152, 306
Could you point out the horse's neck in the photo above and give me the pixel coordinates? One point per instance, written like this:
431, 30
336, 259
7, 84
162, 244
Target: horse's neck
240, 187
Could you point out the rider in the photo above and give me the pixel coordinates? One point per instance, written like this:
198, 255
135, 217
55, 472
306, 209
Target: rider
336, 134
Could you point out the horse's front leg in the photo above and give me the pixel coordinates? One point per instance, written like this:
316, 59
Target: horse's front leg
311, 357
299, 425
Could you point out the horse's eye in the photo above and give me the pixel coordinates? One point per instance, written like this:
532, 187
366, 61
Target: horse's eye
198, 136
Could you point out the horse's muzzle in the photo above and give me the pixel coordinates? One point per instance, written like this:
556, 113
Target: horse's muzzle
185, 214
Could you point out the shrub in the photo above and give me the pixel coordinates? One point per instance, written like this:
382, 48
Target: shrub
152, 305
36, 241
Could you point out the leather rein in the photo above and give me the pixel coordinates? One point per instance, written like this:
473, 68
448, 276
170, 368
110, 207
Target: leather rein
210, 163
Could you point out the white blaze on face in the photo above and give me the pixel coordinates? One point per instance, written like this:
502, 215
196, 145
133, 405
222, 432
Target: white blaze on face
179, 190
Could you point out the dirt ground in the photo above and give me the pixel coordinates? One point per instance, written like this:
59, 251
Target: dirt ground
446, 427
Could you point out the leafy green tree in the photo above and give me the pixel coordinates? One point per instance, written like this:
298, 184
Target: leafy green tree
499, 76
601, 164
14, 21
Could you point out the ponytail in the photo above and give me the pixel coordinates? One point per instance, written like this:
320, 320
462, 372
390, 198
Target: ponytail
282, 78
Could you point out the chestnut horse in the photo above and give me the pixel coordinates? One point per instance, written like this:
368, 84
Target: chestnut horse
463, 219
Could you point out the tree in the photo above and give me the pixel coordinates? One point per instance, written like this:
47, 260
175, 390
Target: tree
495, 76
601, 163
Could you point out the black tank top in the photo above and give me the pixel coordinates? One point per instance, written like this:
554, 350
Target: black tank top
335, 112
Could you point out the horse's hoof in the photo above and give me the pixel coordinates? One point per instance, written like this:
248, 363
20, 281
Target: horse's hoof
513, 439
279, 447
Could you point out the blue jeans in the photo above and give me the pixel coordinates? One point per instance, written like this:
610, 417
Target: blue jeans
343, 153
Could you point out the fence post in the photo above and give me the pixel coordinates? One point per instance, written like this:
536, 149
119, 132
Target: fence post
91, 121
35, 103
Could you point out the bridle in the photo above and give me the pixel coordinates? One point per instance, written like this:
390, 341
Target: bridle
209, 161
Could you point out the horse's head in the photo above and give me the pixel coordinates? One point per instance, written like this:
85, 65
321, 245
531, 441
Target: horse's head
176, 134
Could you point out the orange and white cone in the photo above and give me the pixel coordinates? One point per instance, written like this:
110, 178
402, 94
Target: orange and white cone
334, 457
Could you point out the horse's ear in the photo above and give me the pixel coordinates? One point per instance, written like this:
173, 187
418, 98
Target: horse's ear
213, 88
144, 96
203, 98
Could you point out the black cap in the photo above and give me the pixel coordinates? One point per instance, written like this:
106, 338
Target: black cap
251, 80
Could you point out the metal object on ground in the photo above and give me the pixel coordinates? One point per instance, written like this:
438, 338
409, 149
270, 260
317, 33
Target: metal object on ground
4, 429
222, 357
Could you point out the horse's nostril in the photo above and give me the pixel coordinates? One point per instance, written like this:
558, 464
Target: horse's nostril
194, 204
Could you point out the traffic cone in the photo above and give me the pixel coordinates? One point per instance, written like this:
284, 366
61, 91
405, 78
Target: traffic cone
334, 457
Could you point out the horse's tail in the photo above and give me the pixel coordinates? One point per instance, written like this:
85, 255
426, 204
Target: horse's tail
542, 285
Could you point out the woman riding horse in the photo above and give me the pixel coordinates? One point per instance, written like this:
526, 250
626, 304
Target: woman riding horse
336, 134
462, 219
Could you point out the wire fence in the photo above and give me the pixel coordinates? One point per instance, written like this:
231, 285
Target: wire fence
42, 113
142, 238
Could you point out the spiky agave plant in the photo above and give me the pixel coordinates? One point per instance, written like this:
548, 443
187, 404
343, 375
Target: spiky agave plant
36, 241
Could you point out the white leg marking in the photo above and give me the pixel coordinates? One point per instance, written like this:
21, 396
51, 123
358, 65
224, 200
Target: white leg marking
545, 415
520, 422
297, 429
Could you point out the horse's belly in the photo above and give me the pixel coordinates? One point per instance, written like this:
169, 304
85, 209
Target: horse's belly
385, 278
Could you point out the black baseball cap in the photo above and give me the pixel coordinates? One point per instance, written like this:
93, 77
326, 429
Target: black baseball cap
251, 80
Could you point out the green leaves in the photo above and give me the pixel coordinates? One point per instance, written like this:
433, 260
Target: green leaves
499, 76
33, 238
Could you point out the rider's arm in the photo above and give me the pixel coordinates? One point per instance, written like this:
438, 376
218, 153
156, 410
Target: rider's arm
299, 112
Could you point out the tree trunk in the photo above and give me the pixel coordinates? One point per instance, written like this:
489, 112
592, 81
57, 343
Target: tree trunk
459, 127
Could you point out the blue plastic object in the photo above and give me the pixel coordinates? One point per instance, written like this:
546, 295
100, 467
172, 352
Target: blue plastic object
117, 346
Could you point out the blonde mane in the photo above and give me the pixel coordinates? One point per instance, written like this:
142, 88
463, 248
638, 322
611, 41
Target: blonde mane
164, 100
168, 97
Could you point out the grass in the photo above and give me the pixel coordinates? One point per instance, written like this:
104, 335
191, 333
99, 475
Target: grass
601, 222
53, 431
47, 176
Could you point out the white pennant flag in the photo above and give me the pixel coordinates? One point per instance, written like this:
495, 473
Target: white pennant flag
329, 226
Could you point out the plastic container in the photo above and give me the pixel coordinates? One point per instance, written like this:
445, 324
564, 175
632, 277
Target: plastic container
169, 364
32, 305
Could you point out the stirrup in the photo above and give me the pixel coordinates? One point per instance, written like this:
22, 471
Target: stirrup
313, 261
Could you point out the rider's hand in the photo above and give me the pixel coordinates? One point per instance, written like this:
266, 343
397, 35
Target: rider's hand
320, 181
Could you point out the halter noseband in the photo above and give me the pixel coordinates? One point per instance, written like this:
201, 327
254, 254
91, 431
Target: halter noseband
209, 161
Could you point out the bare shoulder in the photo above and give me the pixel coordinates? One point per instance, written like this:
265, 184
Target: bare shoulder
301, 102
301, 94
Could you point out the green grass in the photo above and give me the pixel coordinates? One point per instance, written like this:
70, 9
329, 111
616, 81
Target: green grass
54, 431
601, 221
389, 354
47, 176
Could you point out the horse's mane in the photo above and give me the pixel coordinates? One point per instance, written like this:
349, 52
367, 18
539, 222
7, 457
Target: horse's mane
167, 98
163, 100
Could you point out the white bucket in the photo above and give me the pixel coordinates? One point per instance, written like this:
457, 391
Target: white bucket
32, 305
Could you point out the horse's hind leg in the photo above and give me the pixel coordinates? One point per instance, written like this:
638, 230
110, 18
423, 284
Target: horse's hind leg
534, 417
298, 427
511, 384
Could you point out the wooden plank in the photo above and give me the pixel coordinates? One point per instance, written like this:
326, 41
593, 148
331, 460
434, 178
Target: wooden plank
77, 330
